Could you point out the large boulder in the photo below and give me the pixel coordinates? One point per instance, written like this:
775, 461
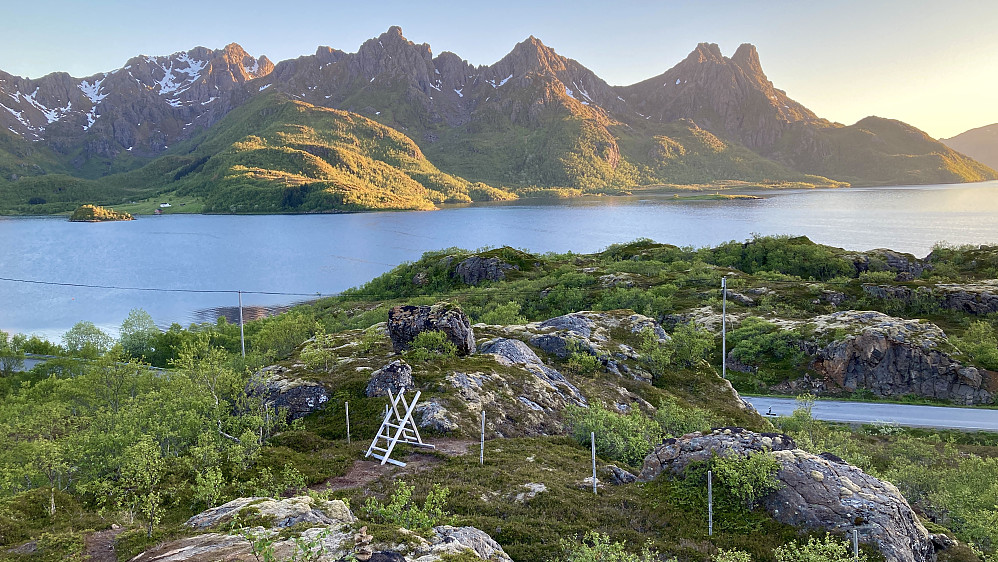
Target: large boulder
476, 269
817, 491
884, 259
406, 322
893, 357
293, 395
395, 376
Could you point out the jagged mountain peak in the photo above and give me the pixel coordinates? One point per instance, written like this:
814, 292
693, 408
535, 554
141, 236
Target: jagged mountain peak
747, 57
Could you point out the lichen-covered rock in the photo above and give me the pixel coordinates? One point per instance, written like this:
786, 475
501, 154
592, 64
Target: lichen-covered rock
282, 513
329, 536
818, 492
395, 376
406, 322
293, 395
457, 540
476, 269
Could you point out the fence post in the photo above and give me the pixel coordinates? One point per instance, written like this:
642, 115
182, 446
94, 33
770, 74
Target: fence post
710, 503
855, 544
592, 439
481, 455
348, 423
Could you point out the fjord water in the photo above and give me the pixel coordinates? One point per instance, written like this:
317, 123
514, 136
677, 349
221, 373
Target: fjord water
309, 254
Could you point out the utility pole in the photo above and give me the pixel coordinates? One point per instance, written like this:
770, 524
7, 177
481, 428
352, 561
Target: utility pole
724, 327
242, 337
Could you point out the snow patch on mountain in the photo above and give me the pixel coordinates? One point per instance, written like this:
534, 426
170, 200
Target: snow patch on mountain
93, 91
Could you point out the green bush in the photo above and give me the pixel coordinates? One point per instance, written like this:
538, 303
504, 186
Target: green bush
980, 343
597, 547
732, 555
829, 549
430, 344
85, 339
627, 438
740, 482
690, 344
281, 334
676, 420
877, 277
505, 314
403, 511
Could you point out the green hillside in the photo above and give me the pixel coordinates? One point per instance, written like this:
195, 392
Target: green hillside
271, 155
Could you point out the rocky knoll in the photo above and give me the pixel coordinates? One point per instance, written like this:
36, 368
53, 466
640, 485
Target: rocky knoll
893, 357
818, 491
329, 536
406, 322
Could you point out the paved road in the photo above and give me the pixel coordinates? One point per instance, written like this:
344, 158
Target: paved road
902, 414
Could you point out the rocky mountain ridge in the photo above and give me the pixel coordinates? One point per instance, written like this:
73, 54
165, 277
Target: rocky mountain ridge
533, 118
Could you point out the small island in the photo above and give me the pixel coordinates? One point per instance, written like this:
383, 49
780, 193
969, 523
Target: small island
94, 213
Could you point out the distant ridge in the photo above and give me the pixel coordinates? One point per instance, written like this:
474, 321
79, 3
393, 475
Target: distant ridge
980, 144
533, 123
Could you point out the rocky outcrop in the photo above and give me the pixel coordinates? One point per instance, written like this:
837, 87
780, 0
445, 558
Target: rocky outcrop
514, 352
476, 269
406, 322
395, 376
972, 298
817, 492
893, 357
295, 396
279, 513
883, 259
329, 538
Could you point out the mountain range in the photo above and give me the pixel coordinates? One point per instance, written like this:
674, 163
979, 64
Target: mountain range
393, 126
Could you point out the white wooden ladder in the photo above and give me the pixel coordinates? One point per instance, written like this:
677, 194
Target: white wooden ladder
396, 428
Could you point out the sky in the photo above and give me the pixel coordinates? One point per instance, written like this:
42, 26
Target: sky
932, 64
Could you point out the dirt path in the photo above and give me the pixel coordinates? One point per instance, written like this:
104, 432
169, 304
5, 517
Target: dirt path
365, 471
100, 545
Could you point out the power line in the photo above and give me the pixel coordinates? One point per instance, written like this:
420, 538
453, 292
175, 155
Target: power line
164, 290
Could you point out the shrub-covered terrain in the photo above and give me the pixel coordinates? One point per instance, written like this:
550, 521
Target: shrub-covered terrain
98, 437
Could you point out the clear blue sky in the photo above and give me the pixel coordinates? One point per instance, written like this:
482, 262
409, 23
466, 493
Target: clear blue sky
933, 64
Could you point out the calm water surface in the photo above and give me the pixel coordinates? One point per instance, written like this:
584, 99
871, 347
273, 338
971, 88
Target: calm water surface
312, 254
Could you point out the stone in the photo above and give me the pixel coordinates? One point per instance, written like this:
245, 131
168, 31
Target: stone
619, 476
395, 376
741, 299
295, 396
817, 492
476, 269
406, 322
533, 488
